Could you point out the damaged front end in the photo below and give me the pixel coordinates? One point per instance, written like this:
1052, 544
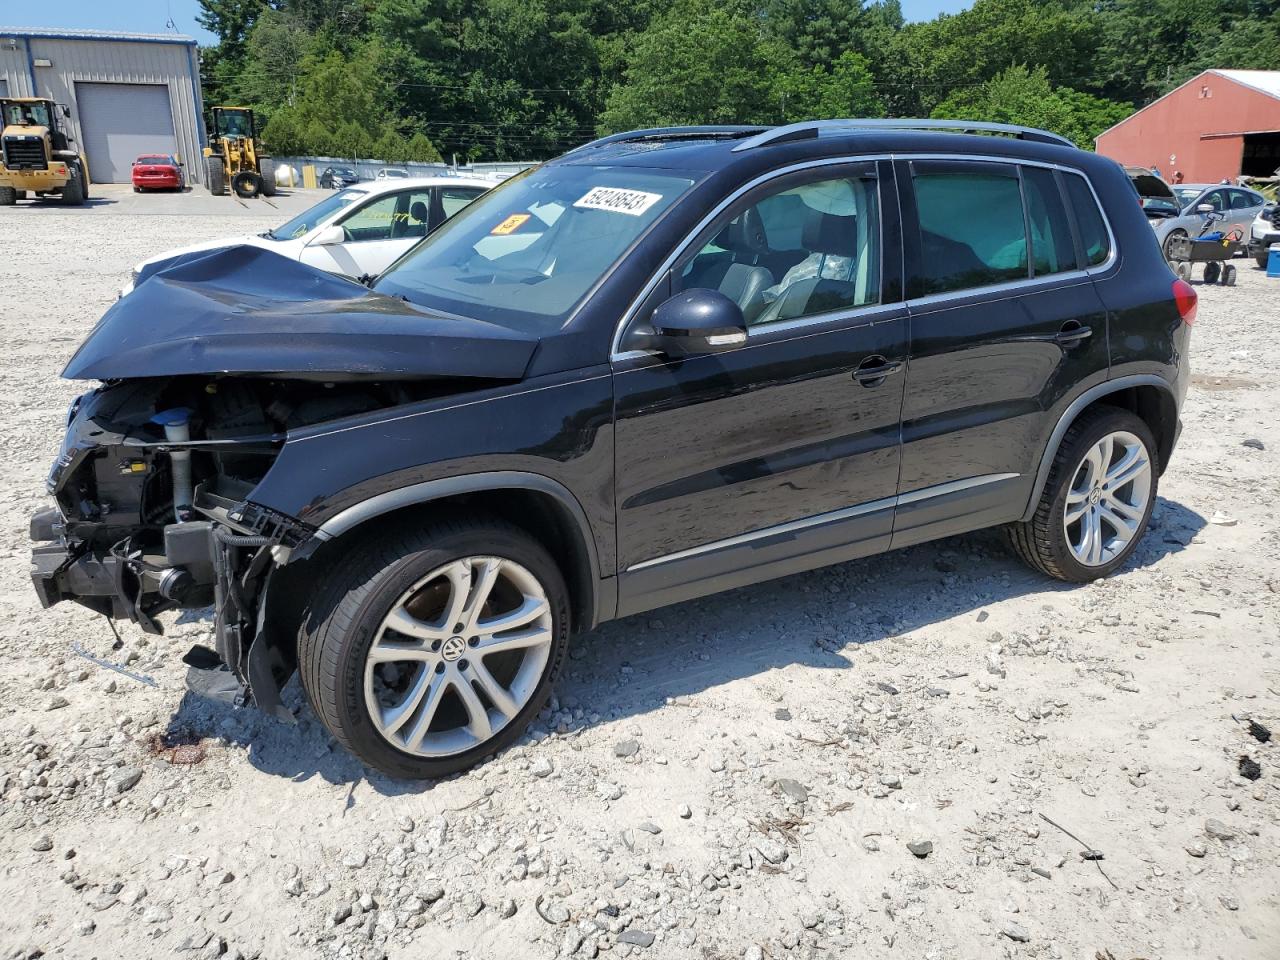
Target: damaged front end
152, 514
206, 369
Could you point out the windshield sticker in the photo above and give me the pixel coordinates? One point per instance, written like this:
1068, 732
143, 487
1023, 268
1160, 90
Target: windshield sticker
509, 225
617, 200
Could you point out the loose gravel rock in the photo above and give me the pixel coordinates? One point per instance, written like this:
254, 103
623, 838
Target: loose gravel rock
815, 724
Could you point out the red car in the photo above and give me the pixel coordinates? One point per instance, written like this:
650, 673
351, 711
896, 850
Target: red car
157, 171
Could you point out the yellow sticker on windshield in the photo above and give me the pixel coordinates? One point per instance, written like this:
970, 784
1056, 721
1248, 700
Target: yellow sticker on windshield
509, 225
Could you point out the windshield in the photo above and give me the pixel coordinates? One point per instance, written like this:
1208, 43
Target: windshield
530, 250
156, 159
27, 114
308, 220
1187, 194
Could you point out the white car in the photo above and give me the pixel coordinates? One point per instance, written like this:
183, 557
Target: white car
357, 231
391, 173
1264, 231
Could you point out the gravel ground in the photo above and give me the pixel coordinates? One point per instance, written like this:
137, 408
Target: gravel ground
854, 762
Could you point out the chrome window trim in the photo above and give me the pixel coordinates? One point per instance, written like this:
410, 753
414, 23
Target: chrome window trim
833, 516
1113, 255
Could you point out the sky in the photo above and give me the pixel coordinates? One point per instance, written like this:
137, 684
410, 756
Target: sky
150, 16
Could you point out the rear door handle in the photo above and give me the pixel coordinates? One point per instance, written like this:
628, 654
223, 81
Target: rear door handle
1073, 332
873, 370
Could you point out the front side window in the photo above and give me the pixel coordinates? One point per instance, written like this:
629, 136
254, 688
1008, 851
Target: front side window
1094, 240
972, 232
309, 219
807, 249
527, 252
390, 217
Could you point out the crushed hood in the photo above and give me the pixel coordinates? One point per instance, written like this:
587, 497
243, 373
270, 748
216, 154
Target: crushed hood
244, 310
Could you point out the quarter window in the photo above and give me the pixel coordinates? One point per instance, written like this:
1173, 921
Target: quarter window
808, 249
972, 231
1093, 231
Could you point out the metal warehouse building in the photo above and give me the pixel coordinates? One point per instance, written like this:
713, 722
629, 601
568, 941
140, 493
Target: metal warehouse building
129, 93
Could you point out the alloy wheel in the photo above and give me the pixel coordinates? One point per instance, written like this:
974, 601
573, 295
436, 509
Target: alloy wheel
1107, 499
459, 655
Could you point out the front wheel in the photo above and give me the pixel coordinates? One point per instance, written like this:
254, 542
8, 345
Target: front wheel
1168, 242
428, 651
1261, 261
1097, 500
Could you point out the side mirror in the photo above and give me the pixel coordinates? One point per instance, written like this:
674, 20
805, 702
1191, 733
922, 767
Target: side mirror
696, 322
66, 111
1205, 208
329, 236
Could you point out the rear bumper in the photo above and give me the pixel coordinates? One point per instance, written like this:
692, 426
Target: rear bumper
1259, 246
157, 183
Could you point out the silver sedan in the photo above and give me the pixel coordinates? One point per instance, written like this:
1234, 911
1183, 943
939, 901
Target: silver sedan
1197, 201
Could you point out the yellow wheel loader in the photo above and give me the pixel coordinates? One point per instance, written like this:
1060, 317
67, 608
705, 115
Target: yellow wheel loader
36, 155
232, 158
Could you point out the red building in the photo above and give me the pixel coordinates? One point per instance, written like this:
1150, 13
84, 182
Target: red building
1223, 123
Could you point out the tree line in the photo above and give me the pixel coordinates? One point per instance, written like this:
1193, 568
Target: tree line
528, 79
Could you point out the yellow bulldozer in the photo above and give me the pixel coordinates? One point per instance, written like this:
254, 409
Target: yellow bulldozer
36, 155
232, 158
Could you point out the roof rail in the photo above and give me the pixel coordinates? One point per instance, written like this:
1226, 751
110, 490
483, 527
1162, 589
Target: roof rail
809, 129
671, 133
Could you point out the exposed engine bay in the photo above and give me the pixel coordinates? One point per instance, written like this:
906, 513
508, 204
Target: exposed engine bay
152, 486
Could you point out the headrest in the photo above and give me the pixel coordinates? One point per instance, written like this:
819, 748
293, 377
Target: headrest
418, 211
830, 234
744, 234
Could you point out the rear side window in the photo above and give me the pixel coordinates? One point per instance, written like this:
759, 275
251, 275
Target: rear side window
1052, 249
1093, 231
972, 232
1243, 201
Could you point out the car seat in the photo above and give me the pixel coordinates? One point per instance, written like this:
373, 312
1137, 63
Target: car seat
828, 235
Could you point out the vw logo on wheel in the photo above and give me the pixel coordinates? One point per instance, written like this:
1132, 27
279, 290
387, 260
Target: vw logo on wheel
453, 648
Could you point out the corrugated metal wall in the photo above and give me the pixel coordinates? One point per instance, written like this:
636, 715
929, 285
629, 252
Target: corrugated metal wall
103, 60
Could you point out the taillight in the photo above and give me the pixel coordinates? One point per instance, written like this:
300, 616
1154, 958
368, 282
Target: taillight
1185, 296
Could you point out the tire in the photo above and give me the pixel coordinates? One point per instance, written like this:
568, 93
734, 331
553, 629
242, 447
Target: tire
383, 576
267, 169
215, 176
1171, 236
1261, 261
1043, 541
22, 194
1229, 276
1182, 270
73, 193
246, 184
1212, 271
8, 196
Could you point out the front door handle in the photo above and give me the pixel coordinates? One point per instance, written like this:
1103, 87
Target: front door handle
1073, 332
873, 370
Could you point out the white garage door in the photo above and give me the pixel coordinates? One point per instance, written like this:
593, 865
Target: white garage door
119, 121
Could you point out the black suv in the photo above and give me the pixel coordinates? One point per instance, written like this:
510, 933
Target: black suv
669, 363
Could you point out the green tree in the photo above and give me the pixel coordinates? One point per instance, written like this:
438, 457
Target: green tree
1025, 96
699, 63
421, 149
844, 89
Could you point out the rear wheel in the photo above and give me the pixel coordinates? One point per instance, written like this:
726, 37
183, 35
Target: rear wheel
246, 184
1261, 261
429, 650
1168, 241
267, 168
73, 193
8, 196
1097, 499
215, 176
1212, 271
1229, 275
